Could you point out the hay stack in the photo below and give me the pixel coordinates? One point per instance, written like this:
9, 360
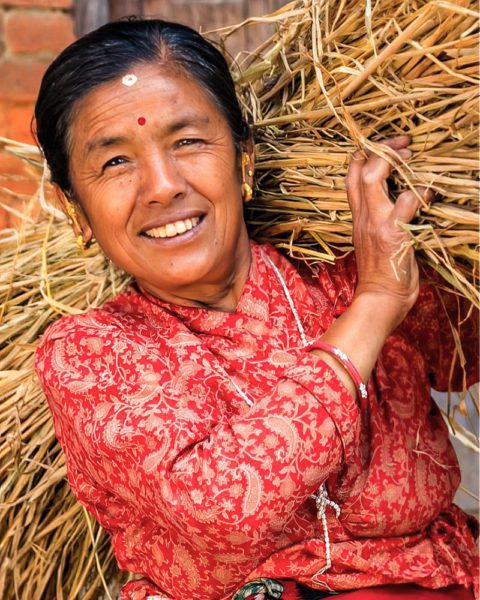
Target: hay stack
334, 74
338, 75
49, 547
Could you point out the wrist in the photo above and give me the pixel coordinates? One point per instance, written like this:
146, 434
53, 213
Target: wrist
386, 310
361, 331
344, 360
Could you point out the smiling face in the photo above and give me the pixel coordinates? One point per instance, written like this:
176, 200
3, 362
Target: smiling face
157, 180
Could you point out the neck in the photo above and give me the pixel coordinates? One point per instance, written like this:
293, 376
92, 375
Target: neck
222, 295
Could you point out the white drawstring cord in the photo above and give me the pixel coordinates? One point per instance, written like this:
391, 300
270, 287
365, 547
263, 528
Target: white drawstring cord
322, 501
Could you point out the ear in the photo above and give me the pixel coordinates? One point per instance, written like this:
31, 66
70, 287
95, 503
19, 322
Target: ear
75, 215
248, 170
249, 147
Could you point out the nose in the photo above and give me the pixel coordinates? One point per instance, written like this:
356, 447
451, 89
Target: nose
161, 180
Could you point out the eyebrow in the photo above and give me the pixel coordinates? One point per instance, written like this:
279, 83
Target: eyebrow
188, 121
106, 142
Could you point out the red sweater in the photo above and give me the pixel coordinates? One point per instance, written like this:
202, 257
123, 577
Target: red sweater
202, 492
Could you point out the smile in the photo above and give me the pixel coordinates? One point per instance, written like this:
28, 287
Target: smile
173, 229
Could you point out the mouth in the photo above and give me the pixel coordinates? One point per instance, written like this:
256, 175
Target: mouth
174, 229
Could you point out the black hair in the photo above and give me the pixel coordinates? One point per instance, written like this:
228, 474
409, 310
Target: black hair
109, 52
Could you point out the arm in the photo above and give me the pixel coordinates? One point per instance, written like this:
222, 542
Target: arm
387, 272
442, 325
153, 457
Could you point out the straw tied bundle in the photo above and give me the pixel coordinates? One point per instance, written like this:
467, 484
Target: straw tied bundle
335, 76
338, 75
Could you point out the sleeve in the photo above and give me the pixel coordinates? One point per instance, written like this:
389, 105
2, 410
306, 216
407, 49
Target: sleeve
188, 495
445, 328
443, 325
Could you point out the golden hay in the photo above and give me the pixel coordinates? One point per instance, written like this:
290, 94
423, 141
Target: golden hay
333, 77
46, 550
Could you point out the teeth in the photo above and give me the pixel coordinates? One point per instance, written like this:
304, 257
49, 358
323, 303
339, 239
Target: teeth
181, 227
173, 229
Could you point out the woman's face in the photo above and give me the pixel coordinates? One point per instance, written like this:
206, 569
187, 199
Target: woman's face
156, 174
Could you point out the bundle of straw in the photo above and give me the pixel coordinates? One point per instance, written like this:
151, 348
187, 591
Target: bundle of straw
338, 75
334, 76
49, 546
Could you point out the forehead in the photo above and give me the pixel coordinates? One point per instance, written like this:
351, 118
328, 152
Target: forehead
150, 91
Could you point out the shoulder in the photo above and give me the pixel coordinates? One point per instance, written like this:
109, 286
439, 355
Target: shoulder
126, 313
114, 315
339, 266
121, 324
329, 282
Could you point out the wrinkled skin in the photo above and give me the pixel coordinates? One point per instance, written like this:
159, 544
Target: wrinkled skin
160, 151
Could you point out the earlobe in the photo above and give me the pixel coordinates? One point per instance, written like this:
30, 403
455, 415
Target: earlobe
76, 218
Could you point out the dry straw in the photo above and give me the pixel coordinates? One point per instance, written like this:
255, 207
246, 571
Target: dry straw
336, 75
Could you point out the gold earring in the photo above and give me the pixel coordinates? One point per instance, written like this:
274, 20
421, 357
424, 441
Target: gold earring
72, 213
73, 221
81, 244
247, 191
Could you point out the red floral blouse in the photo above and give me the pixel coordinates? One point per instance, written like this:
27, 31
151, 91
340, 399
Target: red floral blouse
202, 491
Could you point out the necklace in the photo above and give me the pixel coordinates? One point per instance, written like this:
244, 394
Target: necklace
321, 496
289, 298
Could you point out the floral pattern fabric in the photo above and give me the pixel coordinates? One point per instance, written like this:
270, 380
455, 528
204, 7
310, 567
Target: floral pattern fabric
202, 492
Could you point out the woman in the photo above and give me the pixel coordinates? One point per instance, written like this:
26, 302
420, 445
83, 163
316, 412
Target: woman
215, 417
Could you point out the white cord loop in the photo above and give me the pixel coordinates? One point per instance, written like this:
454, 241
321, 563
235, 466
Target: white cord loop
321, 497
322, 501
300, 328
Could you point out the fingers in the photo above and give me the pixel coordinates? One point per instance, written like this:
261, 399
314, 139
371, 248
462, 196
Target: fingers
406, 206
408, 202
397, 143
377, 168
404, 153
368, 173
353, 181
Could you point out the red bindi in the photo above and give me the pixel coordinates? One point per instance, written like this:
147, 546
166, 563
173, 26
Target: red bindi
141, 120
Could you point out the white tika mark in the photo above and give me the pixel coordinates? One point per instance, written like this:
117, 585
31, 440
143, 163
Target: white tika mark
173, 229
129, 79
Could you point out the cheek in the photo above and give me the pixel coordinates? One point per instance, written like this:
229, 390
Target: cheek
109, 205
228, 186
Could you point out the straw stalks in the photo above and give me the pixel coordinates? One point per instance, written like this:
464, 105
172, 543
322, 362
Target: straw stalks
46, 548
338, 76
335, 76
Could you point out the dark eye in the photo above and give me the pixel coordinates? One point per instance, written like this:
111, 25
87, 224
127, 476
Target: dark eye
188, 142
115, 162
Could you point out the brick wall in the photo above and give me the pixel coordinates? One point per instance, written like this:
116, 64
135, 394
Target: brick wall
32, 32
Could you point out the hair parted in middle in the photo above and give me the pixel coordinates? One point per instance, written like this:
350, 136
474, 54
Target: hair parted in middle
111, 52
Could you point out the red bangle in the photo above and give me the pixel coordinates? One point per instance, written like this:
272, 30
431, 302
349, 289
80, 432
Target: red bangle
344, 361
